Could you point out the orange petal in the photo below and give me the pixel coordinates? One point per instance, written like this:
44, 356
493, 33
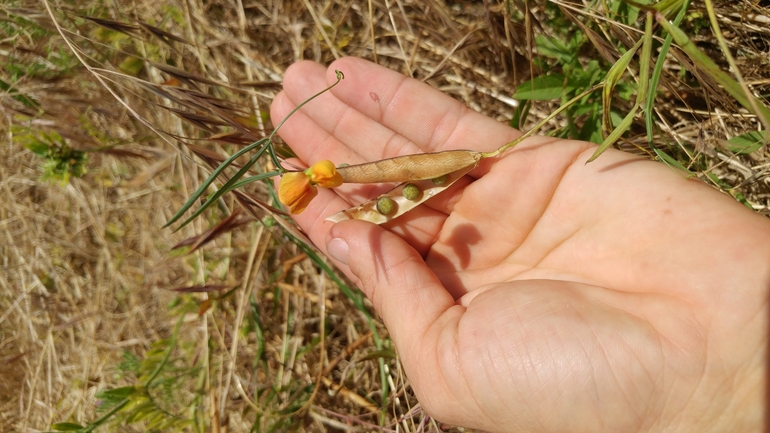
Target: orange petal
324, 174
295, 191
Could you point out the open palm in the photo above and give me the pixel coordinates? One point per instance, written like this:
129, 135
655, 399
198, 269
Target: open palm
540, 293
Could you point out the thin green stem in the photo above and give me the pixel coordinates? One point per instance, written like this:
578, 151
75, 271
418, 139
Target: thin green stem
542, 123
340, 76
657, 72
731, 61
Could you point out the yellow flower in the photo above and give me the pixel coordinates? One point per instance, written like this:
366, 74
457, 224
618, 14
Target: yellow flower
324, 174
298, 188
295, 191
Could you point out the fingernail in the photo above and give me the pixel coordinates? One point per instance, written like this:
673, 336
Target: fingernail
338, 250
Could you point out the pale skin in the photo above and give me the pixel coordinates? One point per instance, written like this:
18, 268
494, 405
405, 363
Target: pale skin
541, 294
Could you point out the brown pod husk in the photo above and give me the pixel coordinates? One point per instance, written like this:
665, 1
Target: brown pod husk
410, 167
369, 211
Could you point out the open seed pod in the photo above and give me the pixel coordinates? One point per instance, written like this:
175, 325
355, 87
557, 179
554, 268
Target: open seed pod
410, 167
397, 201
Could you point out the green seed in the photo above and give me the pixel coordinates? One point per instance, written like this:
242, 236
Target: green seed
439, 180
343, 165
386, 206
411, 191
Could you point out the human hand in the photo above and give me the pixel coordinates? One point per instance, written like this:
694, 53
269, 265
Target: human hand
539, 293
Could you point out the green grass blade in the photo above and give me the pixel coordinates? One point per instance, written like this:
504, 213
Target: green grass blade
611, 80
256, 178
657, 72
213, 176
765, 120
671, 162
228, 186
724, 79
644, 61
616, 133
644, 74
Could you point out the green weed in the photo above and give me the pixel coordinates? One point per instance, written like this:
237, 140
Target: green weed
60, 160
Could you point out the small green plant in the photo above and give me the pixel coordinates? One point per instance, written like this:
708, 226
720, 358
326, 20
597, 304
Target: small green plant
60, 161
571, 77
160, 379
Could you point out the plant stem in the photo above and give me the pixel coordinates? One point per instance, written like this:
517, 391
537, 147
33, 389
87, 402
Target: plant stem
542, 123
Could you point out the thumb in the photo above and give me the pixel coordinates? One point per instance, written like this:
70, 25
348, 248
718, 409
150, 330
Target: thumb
403, 289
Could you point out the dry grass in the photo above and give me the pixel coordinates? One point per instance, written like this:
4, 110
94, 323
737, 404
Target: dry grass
87, 270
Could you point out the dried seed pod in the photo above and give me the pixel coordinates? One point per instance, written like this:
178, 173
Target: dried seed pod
410, 167
411, 191
439, 180
370, 211
386, 205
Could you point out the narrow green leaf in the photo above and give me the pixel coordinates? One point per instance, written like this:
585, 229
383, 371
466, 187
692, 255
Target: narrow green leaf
671, 162
658, 71
644, 71
644, 61
256, 178
610, 81
616, 133
67, 426
213, 176
227, 187
749, 142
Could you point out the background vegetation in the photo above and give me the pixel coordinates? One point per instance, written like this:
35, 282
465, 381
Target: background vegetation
115, 112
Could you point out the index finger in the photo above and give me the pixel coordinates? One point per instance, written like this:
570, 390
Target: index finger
376, 113
428, 118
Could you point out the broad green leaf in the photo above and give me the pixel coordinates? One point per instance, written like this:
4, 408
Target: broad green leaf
543, 88
37, 147
553, 48
749, 142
